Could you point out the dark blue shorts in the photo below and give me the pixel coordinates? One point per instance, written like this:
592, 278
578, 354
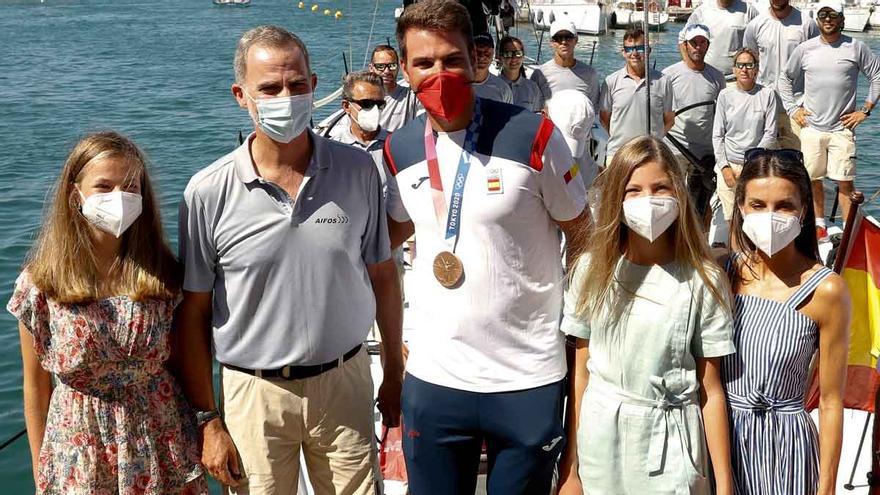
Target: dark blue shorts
444, 430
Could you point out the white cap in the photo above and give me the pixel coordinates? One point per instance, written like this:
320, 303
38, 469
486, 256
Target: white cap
562, 24
573, 113
695, 30
835, 5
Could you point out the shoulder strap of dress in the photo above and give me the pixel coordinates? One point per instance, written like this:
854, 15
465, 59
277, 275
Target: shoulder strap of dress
730, 264
808, 287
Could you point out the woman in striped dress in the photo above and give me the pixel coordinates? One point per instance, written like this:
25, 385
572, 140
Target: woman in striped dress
786, 307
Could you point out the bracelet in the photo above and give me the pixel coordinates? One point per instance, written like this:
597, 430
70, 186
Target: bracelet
202, 417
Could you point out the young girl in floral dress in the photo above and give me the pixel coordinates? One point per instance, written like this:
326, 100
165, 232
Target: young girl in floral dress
94, 304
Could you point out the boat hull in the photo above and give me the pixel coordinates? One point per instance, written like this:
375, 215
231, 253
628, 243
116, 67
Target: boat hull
588, 18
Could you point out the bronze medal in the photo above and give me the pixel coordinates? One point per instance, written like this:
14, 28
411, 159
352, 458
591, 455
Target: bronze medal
448, 269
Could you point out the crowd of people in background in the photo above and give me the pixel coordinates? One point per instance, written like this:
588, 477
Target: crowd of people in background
630, 358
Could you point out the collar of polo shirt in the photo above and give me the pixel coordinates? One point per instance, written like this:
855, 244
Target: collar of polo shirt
244, 163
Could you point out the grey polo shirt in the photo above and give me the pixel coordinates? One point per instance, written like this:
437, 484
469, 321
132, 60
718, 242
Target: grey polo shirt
774, 40
401, 106
551, 77
743, 120
374, 148
526, 93
493, 88
693, 128
288, 277
625, 97
726, 25
831, 75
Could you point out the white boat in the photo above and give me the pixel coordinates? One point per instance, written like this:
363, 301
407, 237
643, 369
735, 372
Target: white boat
588, 16
680, 10
627, 13
855, 15
233, 3
874, 18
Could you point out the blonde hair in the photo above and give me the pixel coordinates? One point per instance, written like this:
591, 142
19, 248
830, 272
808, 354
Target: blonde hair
609, 235
63, 264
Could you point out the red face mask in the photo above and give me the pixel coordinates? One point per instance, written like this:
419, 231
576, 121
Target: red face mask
445, 95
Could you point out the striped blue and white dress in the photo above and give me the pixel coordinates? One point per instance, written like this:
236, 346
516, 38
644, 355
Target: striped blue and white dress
774, 442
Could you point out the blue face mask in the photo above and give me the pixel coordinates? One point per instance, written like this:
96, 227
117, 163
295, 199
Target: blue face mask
283, 118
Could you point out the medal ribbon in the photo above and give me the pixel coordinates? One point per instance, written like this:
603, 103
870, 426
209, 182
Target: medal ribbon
456, 200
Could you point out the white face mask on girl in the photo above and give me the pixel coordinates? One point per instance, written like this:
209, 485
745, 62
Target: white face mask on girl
771, 231
283, 118
112, 212
650, 216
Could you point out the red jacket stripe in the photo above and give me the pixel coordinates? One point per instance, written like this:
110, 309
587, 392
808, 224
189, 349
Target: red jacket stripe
536, 160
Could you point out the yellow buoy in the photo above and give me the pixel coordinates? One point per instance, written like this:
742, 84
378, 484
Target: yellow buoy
302, 4
327, 12
315, 8
338, 14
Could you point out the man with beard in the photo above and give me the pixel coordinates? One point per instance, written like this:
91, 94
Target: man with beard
774, 34
624, 93
829, 65
488, 85
487, 186
695, 84
564, 71
726, 20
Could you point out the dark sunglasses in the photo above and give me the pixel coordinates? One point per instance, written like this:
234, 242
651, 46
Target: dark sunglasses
636, 48
559, 38
369, 104
381, 67
783, 154
513, 54
828, 14
745, 65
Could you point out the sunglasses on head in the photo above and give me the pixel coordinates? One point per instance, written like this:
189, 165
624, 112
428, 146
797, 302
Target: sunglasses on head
559, 38
381, 67
745, 65
635, 48
367, 104
512, 54
828, 14
783, 154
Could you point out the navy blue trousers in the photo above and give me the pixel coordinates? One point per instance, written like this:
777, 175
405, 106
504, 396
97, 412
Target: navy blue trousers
444, 430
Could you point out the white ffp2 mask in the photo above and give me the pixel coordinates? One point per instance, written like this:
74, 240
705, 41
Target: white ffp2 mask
650, 216
112, 212
771, 231
368, 120
283, 118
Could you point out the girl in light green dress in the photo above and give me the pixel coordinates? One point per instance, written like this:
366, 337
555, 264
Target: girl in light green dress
651, 316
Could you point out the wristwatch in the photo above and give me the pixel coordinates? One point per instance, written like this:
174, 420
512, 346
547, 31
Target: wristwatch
202, 417
865, 110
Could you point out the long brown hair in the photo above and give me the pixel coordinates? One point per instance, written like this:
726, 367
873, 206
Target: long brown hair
780, 165
62, 263
609, 233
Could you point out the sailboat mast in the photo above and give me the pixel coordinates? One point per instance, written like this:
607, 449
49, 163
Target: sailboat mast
647, 71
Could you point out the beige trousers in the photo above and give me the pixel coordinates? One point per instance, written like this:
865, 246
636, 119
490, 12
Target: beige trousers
829, 154
788, 132
725, 193
329, 417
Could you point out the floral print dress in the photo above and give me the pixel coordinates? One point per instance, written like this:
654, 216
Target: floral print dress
118, 422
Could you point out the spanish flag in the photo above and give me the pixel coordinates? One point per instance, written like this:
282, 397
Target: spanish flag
862, 274
571, 173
